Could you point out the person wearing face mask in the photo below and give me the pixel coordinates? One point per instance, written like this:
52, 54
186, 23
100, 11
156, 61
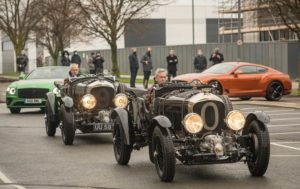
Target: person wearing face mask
172, 62
147, 66
76, 58
65, 61
200, 62
134, 66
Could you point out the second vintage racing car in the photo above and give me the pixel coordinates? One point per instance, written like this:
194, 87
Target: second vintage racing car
191, 123
84, 103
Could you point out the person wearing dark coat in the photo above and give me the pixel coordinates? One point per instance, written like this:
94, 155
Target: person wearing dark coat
22, 62
172, 62
134, 66
147, 66
216, 57
76, 58
98, 62
91, 63
65, 61
200, 62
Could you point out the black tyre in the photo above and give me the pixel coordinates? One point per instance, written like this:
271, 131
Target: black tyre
121, 150
50, 125
42, 110
218, 87
67, 129
151, 156
15, 110
245, 98
227, 103
258, 160
274, 91
163, 153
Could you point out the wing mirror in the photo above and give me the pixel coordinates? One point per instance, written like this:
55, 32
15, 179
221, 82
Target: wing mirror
237, 73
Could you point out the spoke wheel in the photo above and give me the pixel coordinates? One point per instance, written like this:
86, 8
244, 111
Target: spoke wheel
50, 125
67, 129
163, 153
259, 149
121, 150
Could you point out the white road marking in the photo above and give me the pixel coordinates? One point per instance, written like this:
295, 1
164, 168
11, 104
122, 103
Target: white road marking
254, 108
286, 133
285, 119
288, 142
285, 114
285, 146
6, 180
285, 125
270, 111
285, 155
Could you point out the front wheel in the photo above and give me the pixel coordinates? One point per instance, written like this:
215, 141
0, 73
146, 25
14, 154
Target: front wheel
258, 159
68, 129
122, 151
218, 87
15, 110
163, 153
49, 124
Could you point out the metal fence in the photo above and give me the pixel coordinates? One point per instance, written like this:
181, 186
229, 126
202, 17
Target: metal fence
279, 55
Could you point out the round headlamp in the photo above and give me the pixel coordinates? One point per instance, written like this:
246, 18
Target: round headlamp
235, 120
193, 123
11, 91
56, 91
121, 100
88, 101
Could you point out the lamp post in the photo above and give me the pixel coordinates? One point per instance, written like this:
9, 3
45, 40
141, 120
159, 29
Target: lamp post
239, 42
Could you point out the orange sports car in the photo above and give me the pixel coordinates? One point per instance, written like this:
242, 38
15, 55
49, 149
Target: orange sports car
243, 80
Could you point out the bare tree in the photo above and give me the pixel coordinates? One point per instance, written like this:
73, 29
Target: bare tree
56, 29
18, 18
107, 19
289, 13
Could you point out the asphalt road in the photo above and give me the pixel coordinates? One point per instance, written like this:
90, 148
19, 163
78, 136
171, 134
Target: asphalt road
30, 159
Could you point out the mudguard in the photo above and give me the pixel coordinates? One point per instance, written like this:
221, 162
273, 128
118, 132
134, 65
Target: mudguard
161, 121
123, 115
68, 102
51, 97
261, 116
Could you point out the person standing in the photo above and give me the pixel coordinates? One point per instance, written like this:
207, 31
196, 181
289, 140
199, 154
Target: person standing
91, 64
200, 62
134, 66
76, 58
147, 66
65, 60
216, 57
172, 62
22, 62
98, 62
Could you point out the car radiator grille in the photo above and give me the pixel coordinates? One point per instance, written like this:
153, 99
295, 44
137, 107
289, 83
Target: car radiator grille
104, 96
212, 113
32, 93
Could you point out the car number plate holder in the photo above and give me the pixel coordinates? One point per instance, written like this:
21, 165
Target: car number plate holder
102, 127
33, 101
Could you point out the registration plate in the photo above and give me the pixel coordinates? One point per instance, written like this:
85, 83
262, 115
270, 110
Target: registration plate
33, 101
103, 127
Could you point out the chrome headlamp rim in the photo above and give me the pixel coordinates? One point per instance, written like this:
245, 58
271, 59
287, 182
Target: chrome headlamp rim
191, 128
235, 125
88, 101
124, 100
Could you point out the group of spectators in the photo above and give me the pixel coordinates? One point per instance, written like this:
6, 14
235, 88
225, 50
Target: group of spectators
200, 64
